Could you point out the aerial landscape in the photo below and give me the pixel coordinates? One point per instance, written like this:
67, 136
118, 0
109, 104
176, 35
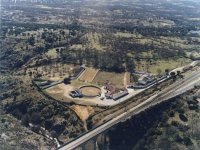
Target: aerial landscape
99, 74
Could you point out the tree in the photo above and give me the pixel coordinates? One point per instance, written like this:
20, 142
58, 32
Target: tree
179, 73
35, 118
167, 71
31, 41
173, 75
67, 80
26, 120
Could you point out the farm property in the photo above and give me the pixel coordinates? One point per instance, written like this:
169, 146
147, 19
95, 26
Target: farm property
89, 74
115, 78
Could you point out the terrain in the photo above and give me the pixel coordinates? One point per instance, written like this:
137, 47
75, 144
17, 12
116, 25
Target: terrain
176, 128
50, 40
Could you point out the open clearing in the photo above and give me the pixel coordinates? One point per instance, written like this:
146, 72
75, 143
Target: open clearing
83, 111
90, 90
115, 78
89, 74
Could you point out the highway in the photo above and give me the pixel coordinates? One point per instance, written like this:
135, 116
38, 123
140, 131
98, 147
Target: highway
177, 88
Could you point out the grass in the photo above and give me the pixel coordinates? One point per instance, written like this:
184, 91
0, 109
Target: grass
127, 35
93, 40
77, 46
52, 53
164, 64
115, 78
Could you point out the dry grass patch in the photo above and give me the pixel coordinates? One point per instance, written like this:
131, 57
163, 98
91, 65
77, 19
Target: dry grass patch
83, 111
116, 78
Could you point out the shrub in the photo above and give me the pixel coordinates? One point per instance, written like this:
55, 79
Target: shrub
175, 123
25, 120
36, 118
48, 124
3, 120
187, 141
17, 113
183, 117
193, 107
171, 114
178, 138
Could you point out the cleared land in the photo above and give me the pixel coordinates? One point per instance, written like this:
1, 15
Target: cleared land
89, 74
90, 90
115, 78
83, 111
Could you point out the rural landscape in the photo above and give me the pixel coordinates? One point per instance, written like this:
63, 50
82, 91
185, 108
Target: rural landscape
99, 74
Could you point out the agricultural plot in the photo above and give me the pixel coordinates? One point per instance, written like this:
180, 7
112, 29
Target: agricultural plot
115, 78
89, 75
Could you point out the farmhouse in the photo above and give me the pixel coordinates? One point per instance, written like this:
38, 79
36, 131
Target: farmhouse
120, 94
113, 92
144, 80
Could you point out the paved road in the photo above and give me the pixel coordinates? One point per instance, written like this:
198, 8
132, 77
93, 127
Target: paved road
173, 90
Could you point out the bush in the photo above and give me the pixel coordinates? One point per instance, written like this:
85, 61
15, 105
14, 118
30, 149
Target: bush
178, 138
180, 110
66, 80
193, 107
36, 118
26, 120
183, 117
171, 114
175, 123
187, 141
3, 120
17, 113
48, 124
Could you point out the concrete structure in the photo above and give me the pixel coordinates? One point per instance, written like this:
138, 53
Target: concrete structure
120, 94
75, 93
144, 80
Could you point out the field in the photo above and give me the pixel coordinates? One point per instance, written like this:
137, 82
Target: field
162, 65
89, 75
116, 78
60, 91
